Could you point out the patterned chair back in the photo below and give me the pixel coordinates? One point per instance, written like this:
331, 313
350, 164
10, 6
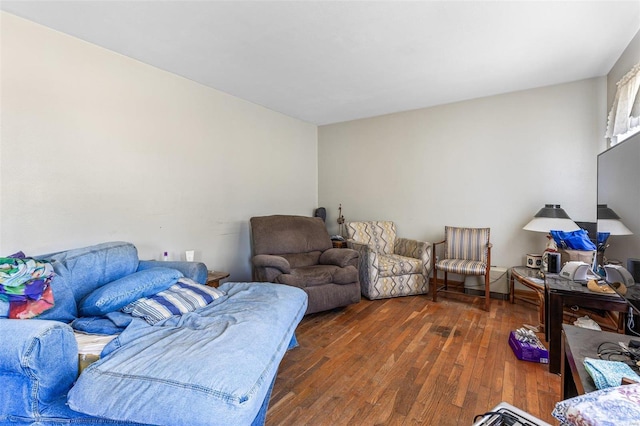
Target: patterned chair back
466, 243
379, 234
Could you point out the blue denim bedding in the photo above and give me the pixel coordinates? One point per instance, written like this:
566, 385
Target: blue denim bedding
210, 367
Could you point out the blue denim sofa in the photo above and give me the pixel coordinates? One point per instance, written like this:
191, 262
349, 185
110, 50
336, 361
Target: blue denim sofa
213, 366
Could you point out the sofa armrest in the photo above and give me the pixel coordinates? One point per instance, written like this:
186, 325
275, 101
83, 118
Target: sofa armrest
271, 261
339, 257
197, 271
38, 364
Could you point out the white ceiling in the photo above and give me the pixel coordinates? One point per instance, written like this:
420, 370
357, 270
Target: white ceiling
329, 61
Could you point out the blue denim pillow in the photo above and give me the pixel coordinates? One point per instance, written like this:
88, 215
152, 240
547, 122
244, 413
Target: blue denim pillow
119, 293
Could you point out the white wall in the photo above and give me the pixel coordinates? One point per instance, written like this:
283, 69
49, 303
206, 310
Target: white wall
490, 162
97, 147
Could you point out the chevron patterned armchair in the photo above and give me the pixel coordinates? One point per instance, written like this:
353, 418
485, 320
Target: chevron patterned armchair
390, 266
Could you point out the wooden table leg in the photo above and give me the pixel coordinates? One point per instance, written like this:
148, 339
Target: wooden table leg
570, 377
512, 288
541, 313
554, 327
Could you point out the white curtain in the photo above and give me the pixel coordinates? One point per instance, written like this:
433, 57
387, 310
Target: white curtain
624, 117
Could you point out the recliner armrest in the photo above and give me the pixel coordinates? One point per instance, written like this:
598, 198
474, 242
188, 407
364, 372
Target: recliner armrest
338, 256
272, 261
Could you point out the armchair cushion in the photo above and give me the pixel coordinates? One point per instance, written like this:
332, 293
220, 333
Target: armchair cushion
461, 266
309, 276
394, 264
298, 260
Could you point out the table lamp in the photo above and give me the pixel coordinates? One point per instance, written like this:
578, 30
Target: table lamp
609, 223
550, 218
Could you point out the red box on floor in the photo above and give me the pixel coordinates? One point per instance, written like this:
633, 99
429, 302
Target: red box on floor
534, 352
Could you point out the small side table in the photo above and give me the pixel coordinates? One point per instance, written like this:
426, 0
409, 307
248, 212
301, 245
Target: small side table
214, 277
529, 277
339, 244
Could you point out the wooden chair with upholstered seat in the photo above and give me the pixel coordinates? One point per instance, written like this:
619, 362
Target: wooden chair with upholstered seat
467, 251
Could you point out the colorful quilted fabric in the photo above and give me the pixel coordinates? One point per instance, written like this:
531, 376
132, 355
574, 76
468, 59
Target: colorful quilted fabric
24, 283
607, 407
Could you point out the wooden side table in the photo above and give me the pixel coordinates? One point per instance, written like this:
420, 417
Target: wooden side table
529, 277
214, 277
339, 244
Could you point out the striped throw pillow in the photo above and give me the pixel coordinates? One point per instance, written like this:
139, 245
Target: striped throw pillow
184, 296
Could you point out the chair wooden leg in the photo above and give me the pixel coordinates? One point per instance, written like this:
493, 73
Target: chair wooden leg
487, 292
446, 282
434, 285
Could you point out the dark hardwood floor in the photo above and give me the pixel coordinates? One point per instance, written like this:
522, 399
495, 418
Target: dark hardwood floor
409, 361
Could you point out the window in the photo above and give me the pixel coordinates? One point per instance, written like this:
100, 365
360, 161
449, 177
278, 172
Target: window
624, 117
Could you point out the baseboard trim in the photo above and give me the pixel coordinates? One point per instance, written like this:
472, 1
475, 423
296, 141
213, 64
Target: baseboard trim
492, 294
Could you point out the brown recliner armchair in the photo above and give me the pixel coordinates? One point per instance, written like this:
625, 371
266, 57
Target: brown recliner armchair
297, 251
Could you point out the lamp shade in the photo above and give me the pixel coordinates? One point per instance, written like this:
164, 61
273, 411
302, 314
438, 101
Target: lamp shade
609, 222
551, 217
